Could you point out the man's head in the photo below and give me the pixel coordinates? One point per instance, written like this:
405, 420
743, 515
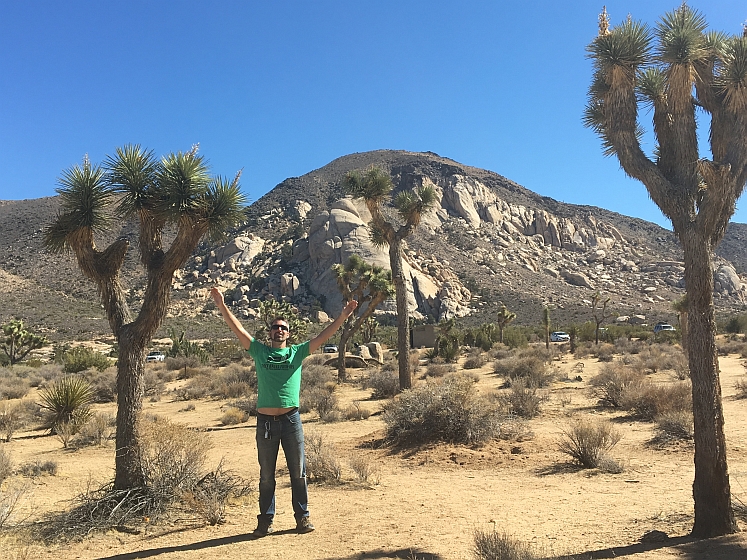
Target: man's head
279, 332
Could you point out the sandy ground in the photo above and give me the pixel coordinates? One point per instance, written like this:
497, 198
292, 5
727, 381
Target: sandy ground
428, 502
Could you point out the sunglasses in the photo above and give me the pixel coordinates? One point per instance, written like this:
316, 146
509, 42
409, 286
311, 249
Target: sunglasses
279, 328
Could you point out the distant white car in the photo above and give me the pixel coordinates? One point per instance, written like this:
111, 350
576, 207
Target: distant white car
560, 336
663, 327
155, 357
330, 349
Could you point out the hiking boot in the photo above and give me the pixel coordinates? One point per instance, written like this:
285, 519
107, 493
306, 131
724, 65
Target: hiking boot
263, 529
304, 526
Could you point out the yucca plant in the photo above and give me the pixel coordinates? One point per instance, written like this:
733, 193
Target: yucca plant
375, 188
69, 400
674, 70
176, 191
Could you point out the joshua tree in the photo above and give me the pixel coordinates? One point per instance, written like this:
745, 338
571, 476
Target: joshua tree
546, 324
375, 188
18, 341
599, 312
176, 191
502, 319
687, 69
364, 283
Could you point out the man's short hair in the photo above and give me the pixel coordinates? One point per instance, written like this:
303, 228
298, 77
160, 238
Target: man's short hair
283, 319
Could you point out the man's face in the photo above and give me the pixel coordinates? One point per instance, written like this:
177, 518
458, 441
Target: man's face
279, 331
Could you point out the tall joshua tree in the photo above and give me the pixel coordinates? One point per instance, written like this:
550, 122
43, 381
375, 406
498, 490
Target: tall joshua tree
375, 188
364, 283
675, 70
176, 191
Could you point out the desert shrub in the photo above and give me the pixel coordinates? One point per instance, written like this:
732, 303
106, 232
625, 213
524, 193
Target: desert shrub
741, 387
475, 360
6, 465
247, 404
491, 545
171, 455
588, 442
626, 345
68, 400
732, 347
414, 361
322, 464
500, 352
532, 369
11, 419
183, 363
317, 376
10, 498
356, 412
514, 337
656, 357
97, 430
610, 385
233, 416
12, 386
444, 410
736, 324
38, 468
522, 399
365, 468
208, 498
316, 360
604, 351
81, 358
675, 424
650, 400
439, 370
103, 384
320, 399
384, 382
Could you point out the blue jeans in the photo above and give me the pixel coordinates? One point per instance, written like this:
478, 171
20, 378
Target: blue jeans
272, 431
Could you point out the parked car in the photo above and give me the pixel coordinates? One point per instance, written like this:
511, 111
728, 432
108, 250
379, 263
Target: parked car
663, 327
560, 336
330, 349
155, 357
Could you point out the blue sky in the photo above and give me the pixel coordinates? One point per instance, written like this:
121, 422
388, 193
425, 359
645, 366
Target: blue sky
281, 88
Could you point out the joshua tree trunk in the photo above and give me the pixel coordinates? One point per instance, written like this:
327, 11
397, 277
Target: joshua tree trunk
130, 387
345, 335
711, 489
403, 316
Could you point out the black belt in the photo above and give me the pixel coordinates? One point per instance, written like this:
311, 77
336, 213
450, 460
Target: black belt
279, 416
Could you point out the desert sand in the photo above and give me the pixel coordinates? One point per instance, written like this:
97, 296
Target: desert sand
426, 503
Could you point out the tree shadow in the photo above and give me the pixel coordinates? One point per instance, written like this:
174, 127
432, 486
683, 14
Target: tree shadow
559, 468
730, 547
401, 554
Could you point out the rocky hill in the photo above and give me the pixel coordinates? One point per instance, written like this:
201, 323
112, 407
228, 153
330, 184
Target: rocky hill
489, 241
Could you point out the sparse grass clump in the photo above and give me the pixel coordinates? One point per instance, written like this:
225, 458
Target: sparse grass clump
741, 387
38, 468
356, 412
445, 410
97, 430
491, 545
365, 468
588, 442
322, 464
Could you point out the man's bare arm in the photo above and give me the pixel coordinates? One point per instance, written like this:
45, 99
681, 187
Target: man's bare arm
332, 328
233, 323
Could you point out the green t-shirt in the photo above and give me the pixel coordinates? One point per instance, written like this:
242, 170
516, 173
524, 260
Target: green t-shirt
278, 373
